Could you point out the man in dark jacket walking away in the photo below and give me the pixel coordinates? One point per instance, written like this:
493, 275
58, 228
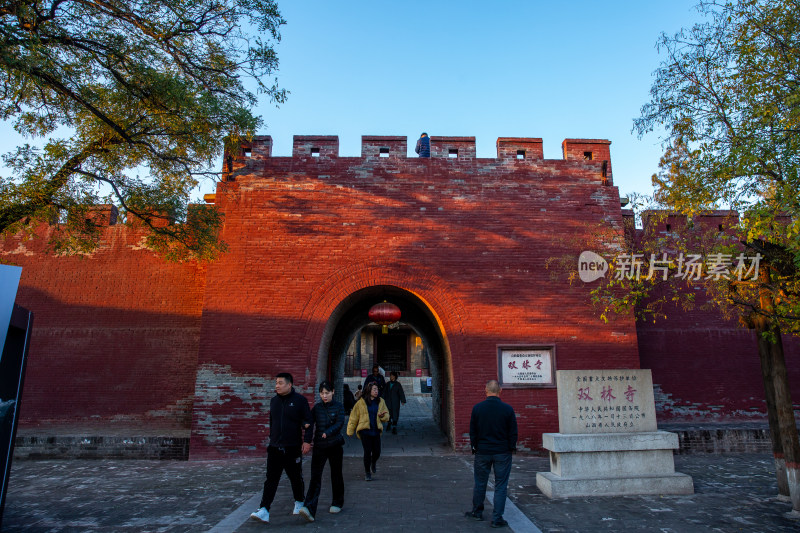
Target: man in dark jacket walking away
493, 437
393, 395
377, 379
423, 145
289, 416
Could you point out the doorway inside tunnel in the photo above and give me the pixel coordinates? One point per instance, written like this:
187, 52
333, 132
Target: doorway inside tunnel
415, 347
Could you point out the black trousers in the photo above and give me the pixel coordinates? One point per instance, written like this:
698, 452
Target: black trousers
394, 415
288, 459
320, 456
372, 450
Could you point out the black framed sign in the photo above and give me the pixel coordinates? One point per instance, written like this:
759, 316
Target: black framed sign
526, 365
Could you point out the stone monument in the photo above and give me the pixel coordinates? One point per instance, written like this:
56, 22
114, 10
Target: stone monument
609, 444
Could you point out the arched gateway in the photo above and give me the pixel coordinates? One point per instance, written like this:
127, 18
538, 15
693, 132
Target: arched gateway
420, 327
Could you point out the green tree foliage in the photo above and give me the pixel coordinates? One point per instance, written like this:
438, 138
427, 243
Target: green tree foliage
727, 196
728, 97
113, 88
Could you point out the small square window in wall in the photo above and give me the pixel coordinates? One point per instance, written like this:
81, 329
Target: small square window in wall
315, 152
247, 152
384, 152
452, 153
587, 156
520, 154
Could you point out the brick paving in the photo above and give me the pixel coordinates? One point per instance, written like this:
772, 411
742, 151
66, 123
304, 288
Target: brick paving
421, 486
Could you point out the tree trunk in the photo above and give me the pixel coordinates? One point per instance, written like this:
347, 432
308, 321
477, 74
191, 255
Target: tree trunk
786, 421
790, 443
765, 356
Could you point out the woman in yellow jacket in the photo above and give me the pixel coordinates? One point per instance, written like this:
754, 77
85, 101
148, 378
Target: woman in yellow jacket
366, 420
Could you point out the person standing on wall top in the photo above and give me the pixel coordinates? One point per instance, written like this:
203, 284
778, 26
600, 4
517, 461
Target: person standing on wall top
289, 415
326, 430
376, 378
493, 437
423, 145
394, 396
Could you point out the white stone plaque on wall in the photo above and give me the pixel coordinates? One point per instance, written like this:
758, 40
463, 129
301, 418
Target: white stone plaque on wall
526, 366
605, 401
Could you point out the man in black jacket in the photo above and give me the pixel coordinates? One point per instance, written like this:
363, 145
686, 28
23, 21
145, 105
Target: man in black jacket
493, 437
377, 378
289, 415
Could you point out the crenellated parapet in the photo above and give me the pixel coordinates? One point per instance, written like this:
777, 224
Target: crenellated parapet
590, 153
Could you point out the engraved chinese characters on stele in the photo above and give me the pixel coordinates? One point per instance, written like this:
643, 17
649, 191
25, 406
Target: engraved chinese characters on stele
605, 401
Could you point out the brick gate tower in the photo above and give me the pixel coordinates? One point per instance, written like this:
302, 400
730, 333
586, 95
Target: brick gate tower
459, 243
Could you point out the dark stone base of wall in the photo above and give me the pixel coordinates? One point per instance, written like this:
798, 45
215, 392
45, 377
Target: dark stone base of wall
72, 447
721, 438
724, 441
706, 439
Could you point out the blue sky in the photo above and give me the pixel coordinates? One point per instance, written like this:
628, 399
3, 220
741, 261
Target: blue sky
579, 69
484, 69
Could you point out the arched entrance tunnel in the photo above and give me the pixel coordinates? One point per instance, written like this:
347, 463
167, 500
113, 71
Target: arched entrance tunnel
351, 316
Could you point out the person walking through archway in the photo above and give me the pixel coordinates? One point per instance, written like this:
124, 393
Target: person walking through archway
349, 400
366, 421
394, 395
289, 415
326, 429
376, 378
493, 437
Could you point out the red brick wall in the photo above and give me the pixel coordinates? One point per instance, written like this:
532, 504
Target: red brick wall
706, 368
114, 344
124, 340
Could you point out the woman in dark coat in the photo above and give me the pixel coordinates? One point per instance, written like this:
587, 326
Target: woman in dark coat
393, 395
326, 429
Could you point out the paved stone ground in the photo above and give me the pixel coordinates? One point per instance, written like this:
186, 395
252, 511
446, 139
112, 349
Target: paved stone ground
420, 486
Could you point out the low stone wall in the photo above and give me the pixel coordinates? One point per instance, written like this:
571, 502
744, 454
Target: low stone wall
96, 447
722, 440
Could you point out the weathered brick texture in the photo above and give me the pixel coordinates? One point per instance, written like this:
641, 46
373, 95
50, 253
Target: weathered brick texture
468, 237
115, 338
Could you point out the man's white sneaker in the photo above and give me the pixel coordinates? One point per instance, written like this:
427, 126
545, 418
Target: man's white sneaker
297, 507
262, 514
335, 509
305, 513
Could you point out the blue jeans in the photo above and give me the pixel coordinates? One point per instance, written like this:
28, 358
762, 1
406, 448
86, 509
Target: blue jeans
502, 469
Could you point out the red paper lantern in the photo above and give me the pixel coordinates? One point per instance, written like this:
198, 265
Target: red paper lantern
384, 314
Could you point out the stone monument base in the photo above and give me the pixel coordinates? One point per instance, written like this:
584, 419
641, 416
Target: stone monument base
612, 464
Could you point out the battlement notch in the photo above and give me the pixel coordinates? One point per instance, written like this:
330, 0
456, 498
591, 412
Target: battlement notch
384, 146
